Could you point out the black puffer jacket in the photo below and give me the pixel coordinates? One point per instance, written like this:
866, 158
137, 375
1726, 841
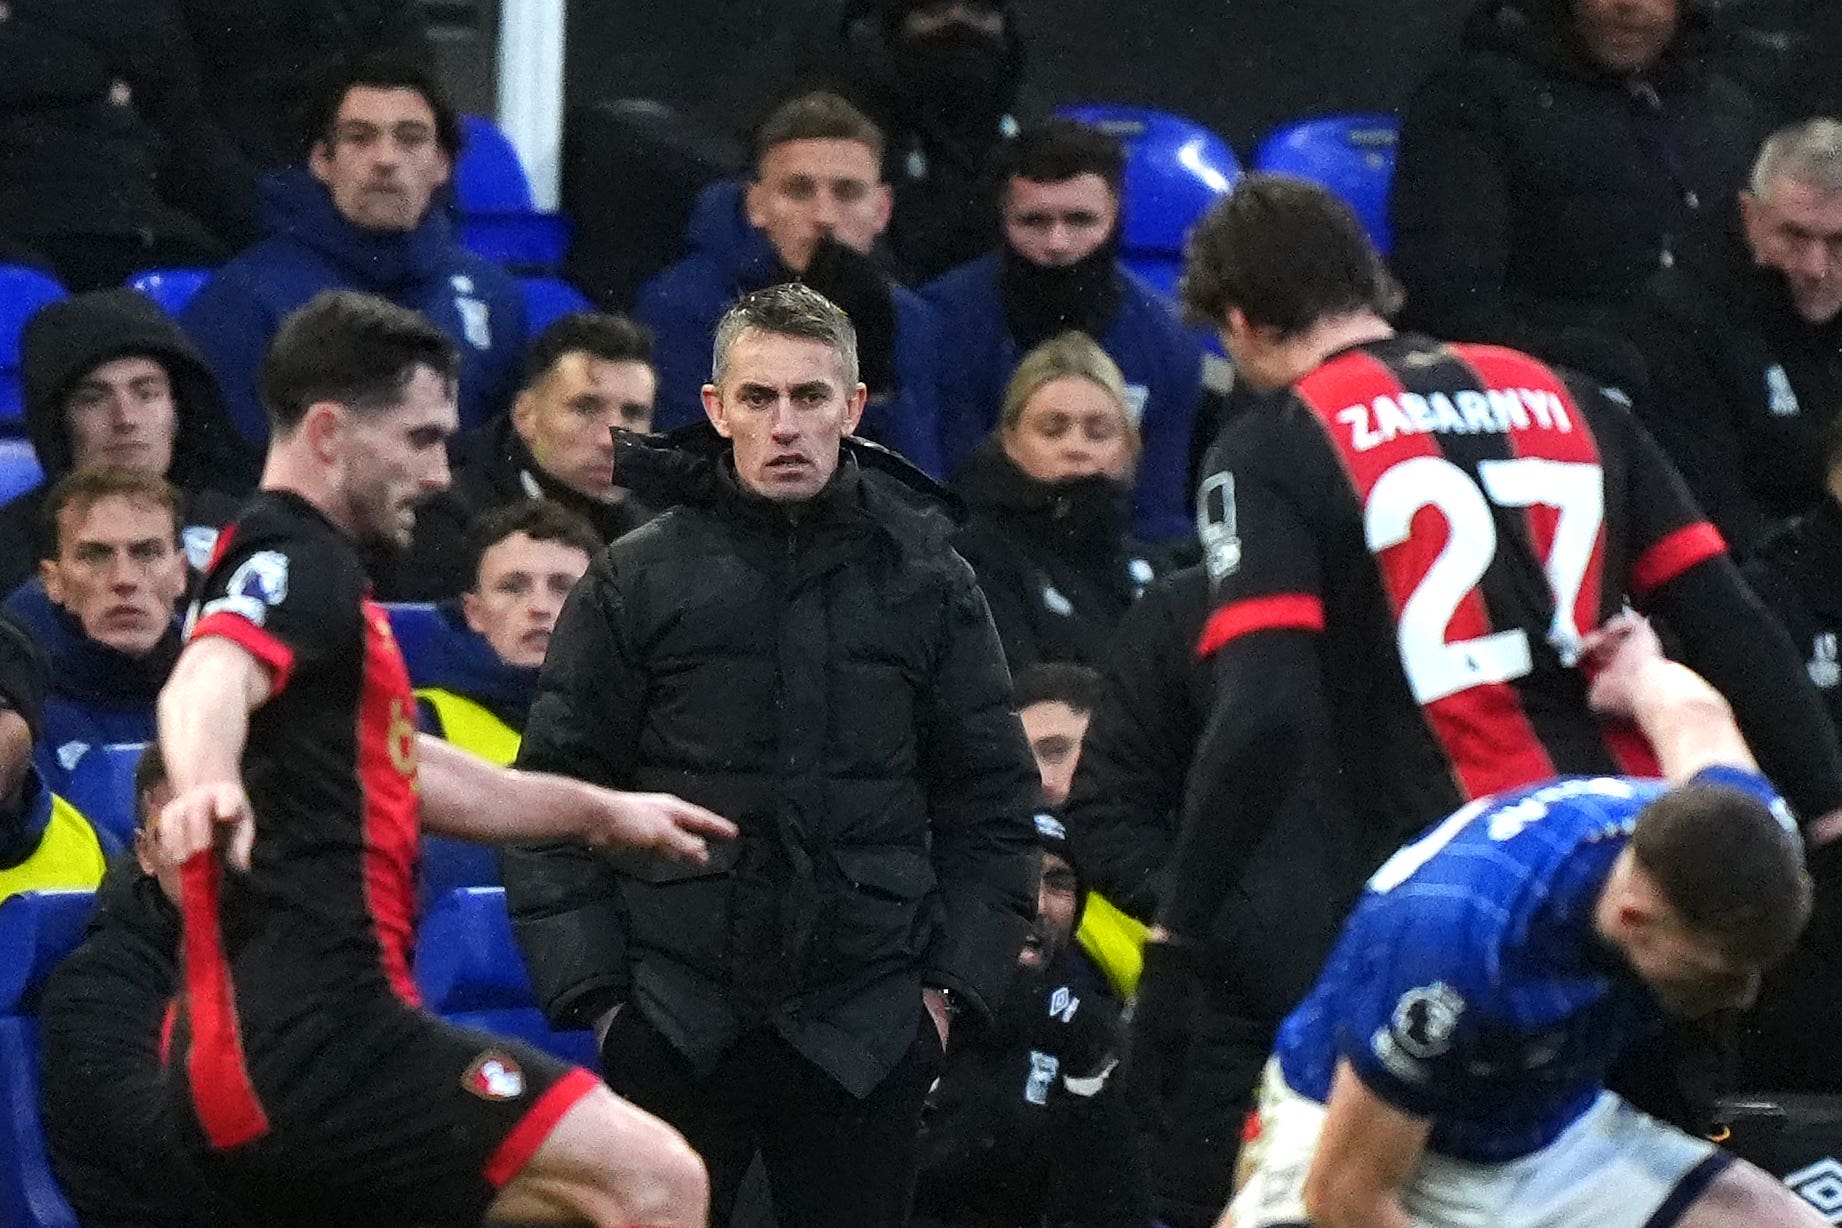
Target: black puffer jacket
834, 686
1534, 191
1055, 559
1123, 808
66, 341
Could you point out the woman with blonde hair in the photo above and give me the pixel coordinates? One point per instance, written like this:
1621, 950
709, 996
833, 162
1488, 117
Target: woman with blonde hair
1049, 497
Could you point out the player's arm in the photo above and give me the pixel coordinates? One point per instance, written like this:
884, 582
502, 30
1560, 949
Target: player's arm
1365, 1156
203, 717
1686, 720
466, 797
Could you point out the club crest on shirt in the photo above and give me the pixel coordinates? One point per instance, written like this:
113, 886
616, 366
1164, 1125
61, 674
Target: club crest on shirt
1218, 526
494, 1075
1425, 1018
258, 584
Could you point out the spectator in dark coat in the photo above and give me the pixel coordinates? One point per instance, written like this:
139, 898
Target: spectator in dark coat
1574, 148
1057, 269
110, 380
792, 642
1745, 380
586, 376
108, 1125
1048, 497
812, 212
362, 215
947, 84
109, 162
256, 60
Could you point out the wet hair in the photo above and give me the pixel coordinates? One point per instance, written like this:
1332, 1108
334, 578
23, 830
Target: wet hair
330, 82
541, 520
356, 349
1728, 867
82, 489
819, 116
1061, 682
605, 335
790, 310
149, 775
1071, 355
1286, 252
1059, 150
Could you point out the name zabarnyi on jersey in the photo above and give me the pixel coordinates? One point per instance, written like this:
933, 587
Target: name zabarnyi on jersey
1469, 412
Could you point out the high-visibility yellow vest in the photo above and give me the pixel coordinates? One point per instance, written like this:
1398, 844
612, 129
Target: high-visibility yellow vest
471, 725
1114, 941
69, 856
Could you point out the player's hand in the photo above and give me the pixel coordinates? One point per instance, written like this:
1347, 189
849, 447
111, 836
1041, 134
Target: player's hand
937, 1009
1615, 657
207, 816
653, 823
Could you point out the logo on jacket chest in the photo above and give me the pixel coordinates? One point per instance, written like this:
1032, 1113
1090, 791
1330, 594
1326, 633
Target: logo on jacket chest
1780, 397
475, 317
1825, 669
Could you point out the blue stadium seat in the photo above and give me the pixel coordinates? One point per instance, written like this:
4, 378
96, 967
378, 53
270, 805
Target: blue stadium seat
37, 930
101, 785
171, 288
1175, 170
449, 865
1352, 155
490, 177
469, 972
421, 635
547, 298
22, 292
19, 468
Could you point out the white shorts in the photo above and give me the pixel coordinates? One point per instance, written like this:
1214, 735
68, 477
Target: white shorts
1613, 1168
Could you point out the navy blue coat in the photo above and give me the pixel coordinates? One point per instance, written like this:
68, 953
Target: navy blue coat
1158, 356
313, 248
730, 257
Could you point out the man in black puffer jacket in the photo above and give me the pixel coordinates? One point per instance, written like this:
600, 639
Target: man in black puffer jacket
1572, 149
792, 643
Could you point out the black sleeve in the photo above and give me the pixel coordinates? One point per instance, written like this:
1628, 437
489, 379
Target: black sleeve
999, 569
1098, 1179
563, 896
982, 789
288, 601
24, 675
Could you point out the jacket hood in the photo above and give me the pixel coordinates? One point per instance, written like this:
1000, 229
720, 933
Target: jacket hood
1541, 31
297, 205
466, 664
70, 338
719, 229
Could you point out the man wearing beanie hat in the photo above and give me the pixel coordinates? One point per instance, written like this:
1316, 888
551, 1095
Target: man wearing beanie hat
110, 380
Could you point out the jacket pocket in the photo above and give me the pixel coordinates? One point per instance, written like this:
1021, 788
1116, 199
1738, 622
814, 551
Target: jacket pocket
884, 908
683, 913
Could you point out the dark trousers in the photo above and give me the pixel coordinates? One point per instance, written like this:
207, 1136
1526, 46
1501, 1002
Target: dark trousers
831, 1159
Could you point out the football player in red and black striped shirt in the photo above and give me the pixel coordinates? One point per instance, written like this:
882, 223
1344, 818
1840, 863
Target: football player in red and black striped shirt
314, 1089
1407, 541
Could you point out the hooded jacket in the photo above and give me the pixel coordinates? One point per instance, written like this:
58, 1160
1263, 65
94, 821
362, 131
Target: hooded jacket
1054, 560
63, 343
728, 258
830, 682
1534, 192
313, 248
492, 469
1159, 358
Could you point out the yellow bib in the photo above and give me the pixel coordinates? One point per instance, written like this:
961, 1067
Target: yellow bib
68, 856
1114, 941
470, 725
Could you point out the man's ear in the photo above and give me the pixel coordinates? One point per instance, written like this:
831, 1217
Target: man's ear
751, 203
885, 206
324, 426
470, 610
524, 411
716, 411
320, 161
53, 579
853, 407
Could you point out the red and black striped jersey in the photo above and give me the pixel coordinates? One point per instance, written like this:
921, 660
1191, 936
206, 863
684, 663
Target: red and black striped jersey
1447, 521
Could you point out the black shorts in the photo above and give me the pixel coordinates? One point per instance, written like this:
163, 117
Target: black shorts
385, 1115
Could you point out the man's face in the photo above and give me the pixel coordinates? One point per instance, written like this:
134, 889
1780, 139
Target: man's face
1057, 224
567, 419
1057, 900
392, 460
118, 571
518, 593
1691, 973
122, 415
1797, 230
806, 190
1625, 36
382, 161
1071, 428
984, 16
785, 407
147, 849
1054, 731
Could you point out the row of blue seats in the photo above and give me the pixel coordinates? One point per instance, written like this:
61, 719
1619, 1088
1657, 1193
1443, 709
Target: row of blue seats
467, 970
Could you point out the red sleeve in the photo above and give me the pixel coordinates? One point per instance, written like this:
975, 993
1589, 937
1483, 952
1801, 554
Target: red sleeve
274, 654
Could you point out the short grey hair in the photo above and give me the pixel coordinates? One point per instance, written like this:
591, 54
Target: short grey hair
790, 310
1808, 152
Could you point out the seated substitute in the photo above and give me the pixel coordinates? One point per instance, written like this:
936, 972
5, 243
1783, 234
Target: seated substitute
1449, 1067
586, 375
812, 213
107, 614
1024, 1129
108, 1123
1049, 498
